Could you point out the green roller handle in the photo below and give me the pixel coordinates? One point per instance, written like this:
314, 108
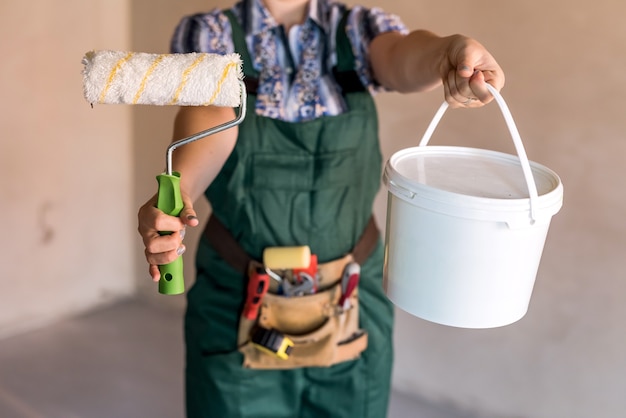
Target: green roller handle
170, 201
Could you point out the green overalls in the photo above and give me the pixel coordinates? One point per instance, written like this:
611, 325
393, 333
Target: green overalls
311, 183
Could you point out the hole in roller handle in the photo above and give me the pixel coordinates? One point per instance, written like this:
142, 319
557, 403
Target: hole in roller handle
517, 141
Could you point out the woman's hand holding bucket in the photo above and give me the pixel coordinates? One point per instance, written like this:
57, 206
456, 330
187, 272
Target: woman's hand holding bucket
465, 70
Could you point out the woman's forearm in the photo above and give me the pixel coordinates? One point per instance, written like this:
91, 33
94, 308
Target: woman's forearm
422, 60
200, 161
408, 63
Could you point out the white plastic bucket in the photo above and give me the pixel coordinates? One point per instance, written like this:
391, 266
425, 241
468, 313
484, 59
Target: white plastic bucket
466, 229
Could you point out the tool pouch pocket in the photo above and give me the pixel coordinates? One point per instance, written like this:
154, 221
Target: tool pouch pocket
322, 332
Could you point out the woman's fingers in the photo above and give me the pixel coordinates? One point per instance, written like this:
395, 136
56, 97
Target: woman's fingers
160, 248
154, 272
457, 90
158, 244
165, 257
469, 67
467, 92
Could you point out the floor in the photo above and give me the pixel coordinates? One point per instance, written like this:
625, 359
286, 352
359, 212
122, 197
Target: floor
123, 361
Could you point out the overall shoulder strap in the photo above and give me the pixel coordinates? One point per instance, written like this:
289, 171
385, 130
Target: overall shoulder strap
239, 40
344, 71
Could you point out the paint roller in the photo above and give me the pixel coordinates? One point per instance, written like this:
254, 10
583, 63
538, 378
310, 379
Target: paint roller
194, 79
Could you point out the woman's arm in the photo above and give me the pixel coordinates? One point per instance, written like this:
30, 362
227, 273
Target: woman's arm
421, 61
198, 163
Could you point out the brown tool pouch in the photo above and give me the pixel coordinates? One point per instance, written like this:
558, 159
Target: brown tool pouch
323, 332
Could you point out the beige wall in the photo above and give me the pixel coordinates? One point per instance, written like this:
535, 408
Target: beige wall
73, 181
66, 186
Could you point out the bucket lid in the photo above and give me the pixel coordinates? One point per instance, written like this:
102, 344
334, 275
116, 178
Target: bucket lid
472, 183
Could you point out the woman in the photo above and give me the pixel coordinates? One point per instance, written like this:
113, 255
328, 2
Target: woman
302, 169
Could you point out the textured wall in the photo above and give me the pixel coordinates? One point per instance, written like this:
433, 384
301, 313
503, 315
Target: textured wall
66, 186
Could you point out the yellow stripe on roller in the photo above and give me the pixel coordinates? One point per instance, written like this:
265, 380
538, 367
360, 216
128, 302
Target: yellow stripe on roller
112, 74
144, 81
221, 82
185, 77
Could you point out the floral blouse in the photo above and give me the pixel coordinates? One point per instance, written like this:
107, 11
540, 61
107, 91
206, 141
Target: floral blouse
295, 68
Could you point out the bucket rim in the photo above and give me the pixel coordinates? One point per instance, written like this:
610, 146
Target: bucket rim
475, 207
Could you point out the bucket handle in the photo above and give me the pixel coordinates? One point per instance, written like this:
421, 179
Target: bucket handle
517, 141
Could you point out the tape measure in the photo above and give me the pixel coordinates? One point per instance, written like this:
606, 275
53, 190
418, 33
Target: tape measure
272, 342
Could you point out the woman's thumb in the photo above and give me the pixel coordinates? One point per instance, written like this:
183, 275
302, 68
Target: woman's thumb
188, 214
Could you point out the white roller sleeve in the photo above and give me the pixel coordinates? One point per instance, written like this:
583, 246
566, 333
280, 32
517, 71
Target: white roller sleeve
195, 79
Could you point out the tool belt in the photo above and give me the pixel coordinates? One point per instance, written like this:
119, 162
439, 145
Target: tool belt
313, 330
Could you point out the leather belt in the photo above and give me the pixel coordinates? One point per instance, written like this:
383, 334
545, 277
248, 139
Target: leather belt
229, 249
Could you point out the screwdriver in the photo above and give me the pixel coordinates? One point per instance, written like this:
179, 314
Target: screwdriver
349, 282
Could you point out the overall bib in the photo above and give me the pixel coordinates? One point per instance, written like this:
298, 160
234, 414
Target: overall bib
309, 183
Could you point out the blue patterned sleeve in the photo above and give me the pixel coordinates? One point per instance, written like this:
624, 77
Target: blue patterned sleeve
203, 32
363, 26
